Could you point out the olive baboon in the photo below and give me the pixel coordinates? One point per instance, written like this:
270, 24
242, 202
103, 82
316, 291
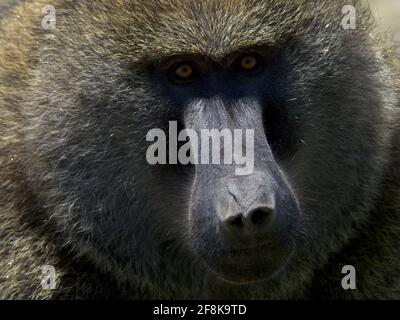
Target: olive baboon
77, 193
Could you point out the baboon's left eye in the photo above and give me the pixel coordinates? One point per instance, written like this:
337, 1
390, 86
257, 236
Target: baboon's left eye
248, 63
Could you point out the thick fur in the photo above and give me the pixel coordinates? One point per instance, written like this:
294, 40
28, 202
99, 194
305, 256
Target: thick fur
76, 192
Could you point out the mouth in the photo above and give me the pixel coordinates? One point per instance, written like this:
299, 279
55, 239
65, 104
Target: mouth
249, 265
247, 252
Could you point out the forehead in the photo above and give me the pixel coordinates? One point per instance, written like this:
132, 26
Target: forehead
214, 28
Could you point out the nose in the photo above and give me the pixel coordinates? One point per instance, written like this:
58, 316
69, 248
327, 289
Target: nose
246, 204
253, 220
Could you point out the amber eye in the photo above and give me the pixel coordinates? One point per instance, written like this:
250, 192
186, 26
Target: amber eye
183, 71
248, 63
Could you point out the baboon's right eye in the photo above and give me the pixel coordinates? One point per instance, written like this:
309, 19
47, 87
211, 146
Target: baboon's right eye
182, 72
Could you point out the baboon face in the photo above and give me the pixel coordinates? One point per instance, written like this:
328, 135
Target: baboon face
283, 69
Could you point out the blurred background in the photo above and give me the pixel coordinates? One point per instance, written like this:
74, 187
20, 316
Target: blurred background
388, 14
388, 11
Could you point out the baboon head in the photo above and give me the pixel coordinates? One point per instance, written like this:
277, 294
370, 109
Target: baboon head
287, 70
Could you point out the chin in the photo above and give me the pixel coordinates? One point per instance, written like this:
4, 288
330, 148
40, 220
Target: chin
249, 266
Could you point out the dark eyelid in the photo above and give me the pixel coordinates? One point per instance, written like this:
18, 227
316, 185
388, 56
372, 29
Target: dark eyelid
263, 52
195, 61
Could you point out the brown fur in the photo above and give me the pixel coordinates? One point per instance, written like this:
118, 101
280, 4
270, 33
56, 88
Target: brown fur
28, 236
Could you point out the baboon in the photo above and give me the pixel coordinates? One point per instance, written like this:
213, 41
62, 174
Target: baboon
76, 191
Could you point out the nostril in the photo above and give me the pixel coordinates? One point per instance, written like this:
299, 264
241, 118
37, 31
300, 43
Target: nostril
261, 216
236, 221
